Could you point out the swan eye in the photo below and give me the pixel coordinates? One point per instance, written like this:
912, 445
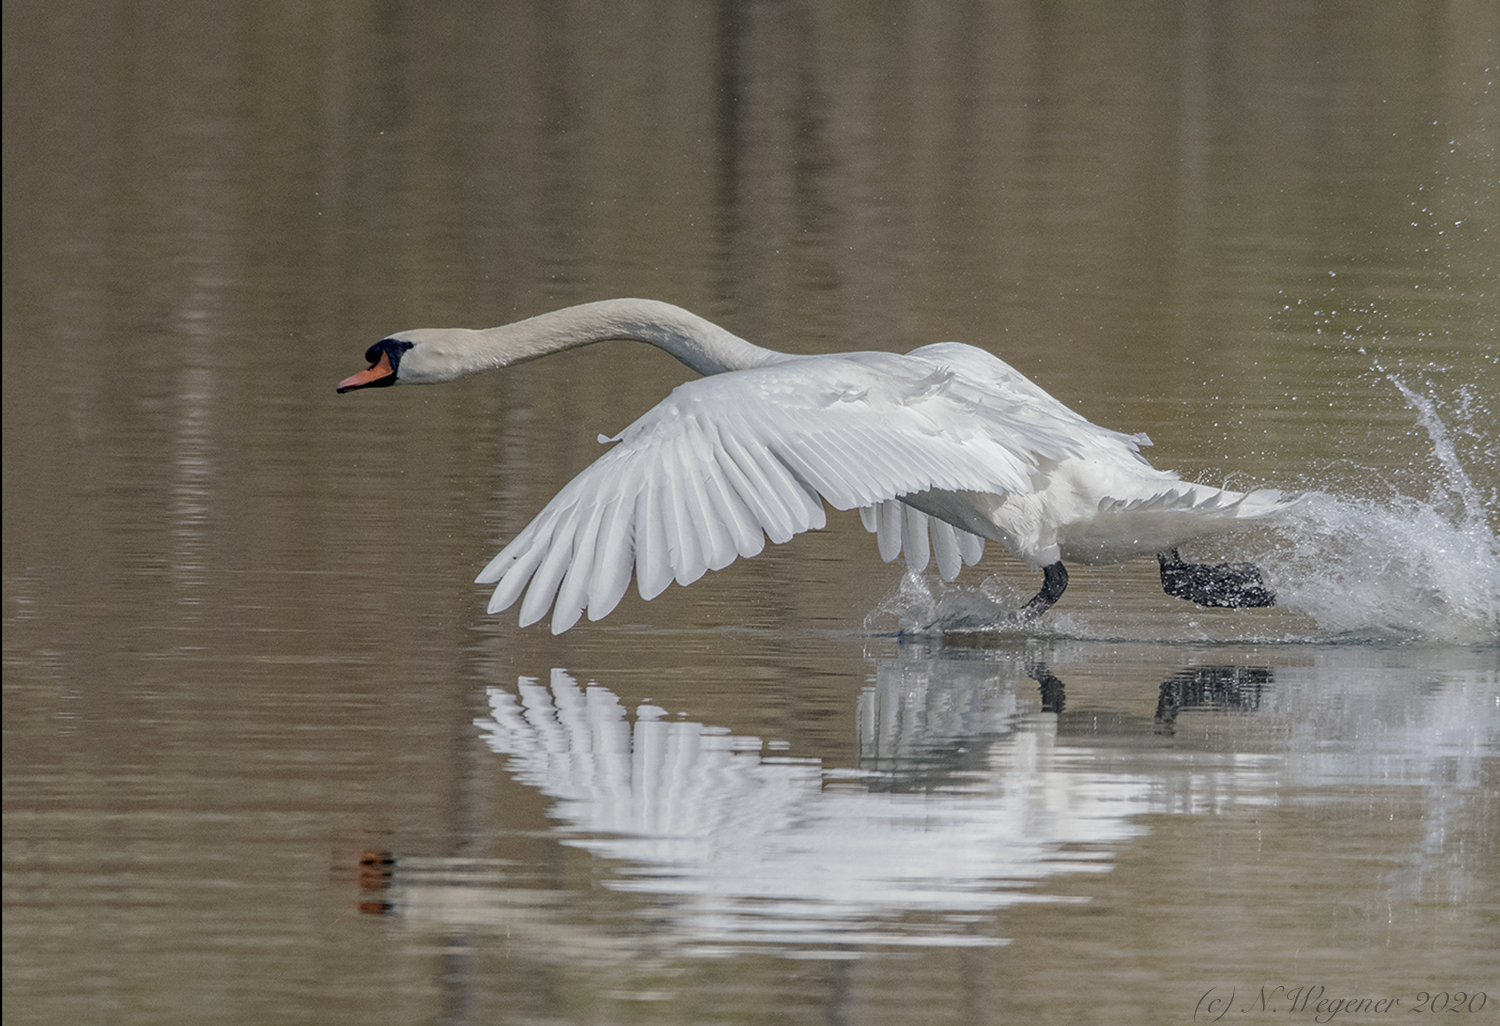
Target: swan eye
390, 347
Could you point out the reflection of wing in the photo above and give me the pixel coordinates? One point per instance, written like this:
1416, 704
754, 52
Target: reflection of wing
772, 852
962, 798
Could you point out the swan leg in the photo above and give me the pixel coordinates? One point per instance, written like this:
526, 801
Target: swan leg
1050, 687
1232, 585
1054, 582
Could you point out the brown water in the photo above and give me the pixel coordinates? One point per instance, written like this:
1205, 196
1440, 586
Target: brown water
267, 760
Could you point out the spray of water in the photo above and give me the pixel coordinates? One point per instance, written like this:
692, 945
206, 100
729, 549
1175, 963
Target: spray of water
1400, 569
1418, 568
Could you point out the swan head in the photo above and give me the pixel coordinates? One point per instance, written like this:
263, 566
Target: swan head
421, 357
385, 366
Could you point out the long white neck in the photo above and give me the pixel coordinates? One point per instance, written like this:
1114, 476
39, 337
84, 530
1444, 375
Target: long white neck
441, 354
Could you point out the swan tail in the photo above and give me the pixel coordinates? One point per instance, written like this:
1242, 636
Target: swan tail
1123, 529
1201, 500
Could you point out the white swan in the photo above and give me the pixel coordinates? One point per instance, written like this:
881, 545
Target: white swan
939, 450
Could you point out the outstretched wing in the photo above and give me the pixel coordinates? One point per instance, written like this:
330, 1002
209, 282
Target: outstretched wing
726, 461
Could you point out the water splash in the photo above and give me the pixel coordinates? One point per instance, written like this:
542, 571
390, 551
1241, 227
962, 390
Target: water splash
1393, 570
1463, 502
922, 604
1408, 568
1396, 572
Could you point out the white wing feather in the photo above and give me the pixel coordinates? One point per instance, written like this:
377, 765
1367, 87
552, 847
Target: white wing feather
896, 525
728, 460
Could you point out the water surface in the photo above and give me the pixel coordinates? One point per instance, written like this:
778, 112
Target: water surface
267, 760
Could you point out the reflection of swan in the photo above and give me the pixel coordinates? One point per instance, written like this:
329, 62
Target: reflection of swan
765, 849
939, 449
963, 800
1210, 688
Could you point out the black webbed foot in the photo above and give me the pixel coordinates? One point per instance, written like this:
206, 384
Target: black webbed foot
1231, 585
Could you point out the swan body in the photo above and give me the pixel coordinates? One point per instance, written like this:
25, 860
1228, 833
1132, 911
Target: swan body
939, 449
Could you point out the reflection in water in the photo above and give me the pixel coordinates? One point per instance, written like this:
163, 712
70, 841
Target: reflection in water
1235, 688
769, 849
963, 801
1050, 687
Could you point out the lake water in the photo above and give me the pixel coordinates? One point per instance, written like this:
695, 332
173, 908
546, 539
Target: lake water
266, 759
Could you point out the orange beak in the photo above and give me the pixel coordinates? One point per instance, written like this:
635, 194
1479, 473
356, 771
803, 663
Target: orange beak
377, 371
